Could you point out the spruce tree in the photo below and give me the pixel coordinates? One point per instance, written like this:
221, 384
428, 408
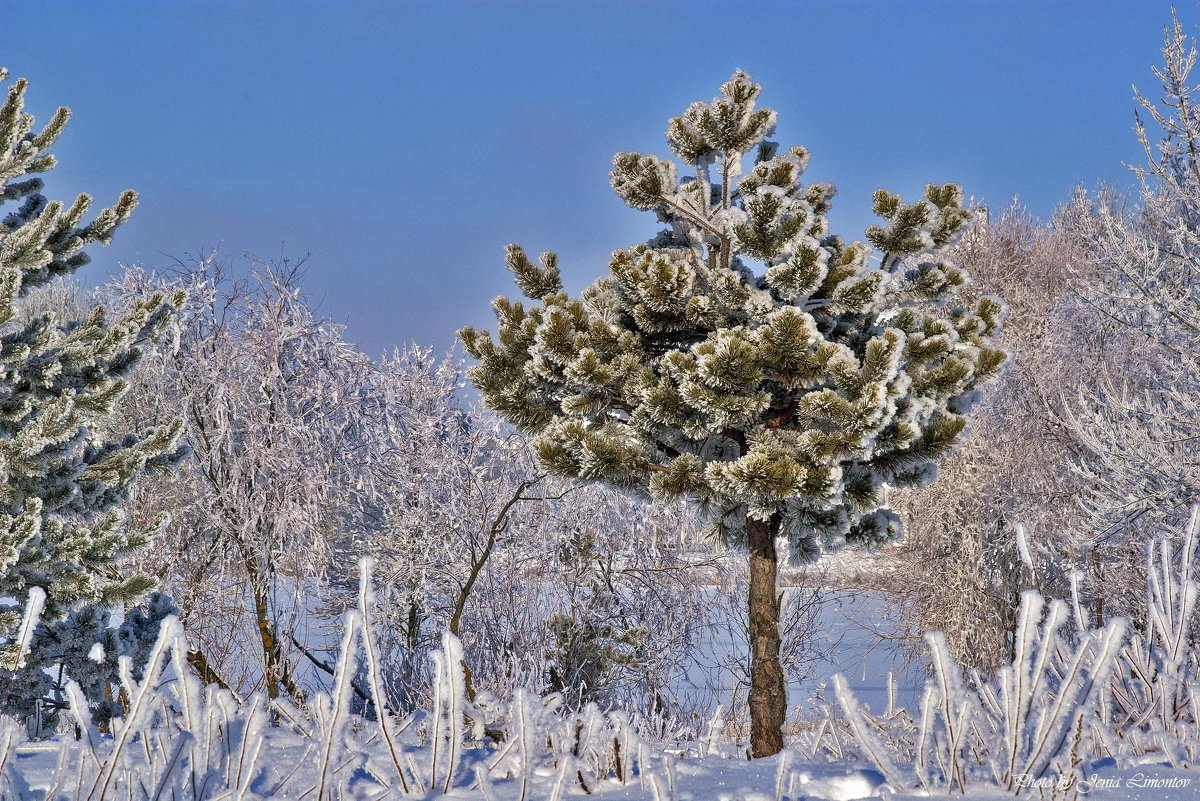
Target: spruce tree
747, 359
61, 482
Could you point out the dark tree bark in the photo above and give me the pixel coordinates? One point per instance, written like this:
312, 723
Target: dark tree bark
768, 689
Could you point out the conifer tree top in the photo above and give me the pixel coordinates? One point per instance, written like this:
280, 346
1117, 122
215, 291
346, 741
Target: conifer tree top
744, 357
62, 483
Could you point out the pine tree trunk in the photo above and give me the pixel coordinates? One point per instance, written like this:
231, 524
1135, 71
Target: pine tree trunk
768, 690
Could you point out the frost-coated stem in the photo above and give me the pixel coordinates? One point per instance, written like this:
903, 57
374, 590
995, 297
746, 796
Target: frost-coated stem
1191, 537
525, 736
139, 704
1172, 602
183, 743
714, 729
412, 770
659, 788
1076, 606
251, 747
187, 691
955, 707
29, 620
338, 702
82, 714
8, 736
60, 771
1055, 617
957, 748
382, 715
924, 731
485, 784
454, 693
1037, 676
1018, 696
871, 745
565, 766
435, 738
1074, 694
1023, 547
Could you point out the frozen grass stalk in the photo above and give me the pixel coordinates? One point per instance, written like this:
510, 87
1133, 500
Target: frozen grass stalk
139, 707
338, 704
872, 747
455, 693
383, 716
29, 620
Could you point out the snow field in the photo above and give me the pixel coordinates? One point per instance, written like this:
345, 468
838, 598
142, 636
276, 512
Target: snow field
1078, 713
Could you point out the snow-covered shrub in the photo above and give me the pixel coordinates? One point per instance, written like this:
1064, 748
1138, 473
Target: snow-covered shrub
959, 568
382, 457
1152, 706
452, 506
1070, 695
1009, 729
270, 393
175, 738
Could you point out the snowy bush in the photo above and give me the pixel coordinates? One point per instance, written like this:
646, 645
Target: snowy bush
176, 738
1071, 694
382, 457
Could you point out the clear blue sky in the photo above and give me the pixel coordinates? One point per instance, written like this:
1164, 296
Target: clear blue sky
404, 144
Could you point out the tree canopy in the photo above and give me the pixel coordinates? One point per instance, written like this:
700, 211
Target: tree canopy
745, 357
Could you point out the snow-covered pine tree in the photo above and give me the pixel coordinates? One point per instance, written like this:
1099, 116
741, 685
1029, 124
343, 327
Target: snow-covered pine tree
61, 484
747, 359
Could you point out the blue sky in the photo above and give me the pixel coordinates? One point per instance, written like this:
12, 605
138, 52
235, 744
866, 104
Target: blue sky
402, 145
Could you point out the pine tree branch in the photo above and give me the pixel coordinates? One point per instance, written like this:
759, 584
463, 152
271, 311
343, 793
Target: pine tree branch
700, 221
735, 434
783, 417
726, 167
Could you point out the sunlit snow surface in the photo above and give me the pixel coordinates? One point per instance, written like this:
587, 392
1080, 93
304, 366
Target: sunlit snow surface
708, 779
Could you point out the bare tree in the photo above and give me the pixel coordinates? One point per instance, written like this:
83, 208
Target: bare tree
1137, 421
270, 394
963, 571
539, 578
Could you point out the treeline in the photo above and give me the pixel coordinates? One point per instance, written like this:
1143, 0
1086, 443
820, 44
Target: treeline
304, 455
1086, 448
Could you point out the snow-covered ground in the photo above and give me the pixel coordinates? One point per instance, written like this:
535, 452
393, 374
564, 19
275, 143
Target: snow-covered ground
1112, 711
37, 768
187, 742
